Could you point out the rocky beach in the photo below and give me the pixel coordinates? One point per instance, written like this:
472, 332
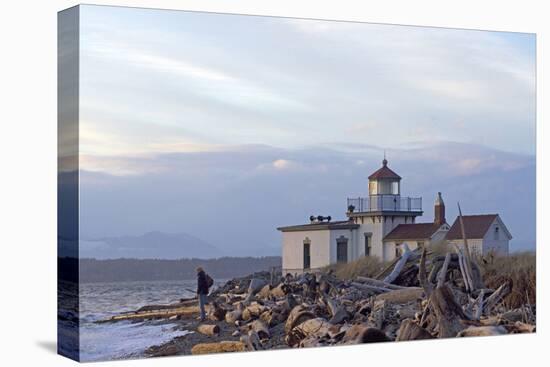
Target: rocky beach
420, 295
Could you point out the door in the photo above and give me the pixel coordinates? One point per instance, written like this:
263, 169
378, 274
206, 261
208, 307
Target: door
342, 251
307, 256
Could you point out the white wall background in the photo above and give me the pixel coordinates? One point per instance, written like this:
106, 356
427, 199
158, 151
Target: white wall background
28, 186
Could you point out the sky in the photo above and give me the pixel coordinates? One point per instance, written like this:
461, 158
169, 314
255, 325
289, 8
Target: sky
189, 119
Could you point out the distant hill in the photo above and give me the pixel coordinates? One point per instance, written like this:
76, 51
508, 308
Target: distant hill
116, 270
151, 245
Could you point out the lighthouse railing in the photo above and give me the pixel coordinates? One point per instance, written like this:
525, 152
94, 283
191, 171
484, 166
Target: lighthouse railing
375, 203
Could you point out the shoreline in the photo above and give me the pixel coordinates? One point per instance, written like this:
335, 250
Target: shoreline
426, 299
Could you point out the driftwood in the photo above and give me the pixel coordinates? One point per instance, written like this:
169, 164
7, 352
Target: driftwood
483, 331
272, 318
425, 299
254, 310
410, 330
496, 297
422, 274
358, 334
210, 330
402, 295
260, 328
298, 315
463, 230
280, 291
378, 283
479, 304
337, 312
252, 341
443, 272
448, 312
216, 313
151, 315
373, 289
256, 285
312, 329
220, 347
232, 316
470, 265
265, 292
468, 282
399, 265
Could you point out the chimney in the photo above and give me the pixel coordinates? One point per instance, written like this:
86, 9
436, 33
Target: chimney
439, 210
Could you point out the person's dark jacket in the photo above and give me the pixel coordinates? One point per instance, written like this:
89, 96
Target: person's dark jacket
202, 284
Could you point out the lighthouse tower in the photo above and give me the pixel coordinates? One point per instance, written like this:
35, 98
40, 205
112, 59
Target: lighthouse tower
382, 211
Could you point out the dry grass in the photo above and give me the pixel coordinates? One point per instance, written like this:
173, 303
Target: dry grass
440, 248
367, 266
518, 269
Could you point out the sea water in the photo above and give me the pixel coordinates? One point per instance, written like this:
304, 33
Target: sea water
124, 339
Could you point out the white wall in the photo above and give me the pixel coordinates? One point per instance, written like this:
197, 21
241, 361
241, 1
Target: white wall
379, 230
293, 250
351, 235
475, 245
498, 246
487, 244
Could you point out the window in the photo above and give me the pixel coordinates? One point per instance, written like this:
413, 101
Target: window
372, 187
368, 243
307, 255
395, 188
342, 250
496, 237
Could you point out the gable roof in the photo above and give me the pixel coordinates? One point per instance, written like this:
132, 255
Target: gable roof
413, 231
476, 226
384, 172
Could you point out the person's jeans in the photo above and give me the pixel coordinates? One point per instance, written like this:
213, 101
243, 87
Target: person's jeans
203, 300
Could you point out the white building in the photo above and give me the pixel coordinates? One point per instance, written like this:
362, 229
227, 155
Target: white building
322, 242
378, 225
420, 234
486, 234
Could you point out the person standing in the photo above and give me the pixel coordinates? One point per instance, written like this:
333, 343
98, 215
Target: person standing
202, 291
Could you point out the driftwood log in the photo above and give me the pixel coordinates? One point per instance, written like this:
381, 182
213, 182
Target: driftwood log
312, 329
378, 283
448, 312
483, 331
260, 328
402, 295
360, 333
210, 330
252, 311
410, 330
298, 315
216, 313
399, 265
496, 297
220, 347
337, 312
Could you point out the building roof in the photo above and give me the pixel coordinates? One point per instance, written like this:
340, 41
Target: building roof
384, 173
344, 224
476, 226
413, 231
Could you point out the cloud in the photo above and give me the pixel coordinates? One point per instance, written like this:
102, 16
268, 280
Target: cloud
283, 164
229, 79
267, 187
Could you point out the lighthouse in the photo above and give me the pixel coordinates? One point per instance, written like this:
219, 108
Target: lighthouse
381, 211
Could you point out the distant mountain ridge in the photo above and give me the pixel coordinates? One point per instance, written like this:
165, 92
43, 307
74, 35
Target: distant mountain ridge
124, 270
151, 245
